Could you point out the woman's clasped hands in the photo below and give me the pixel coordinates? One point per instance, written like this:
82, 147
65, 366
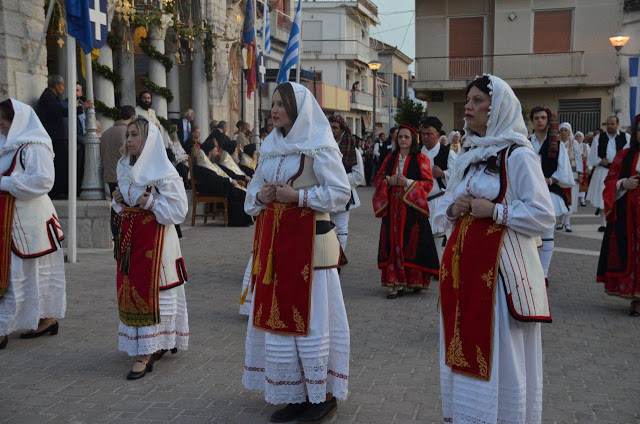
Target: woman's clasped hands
479, 208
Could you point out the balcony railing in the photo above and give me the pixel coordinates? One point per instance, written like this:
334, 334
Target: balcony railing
534, 65
361, 98
338, 47
330, 97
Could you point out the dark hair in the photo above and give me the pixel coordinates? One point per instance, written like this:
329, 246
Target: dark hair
249, 149
222, 124
213, 125
415, 143
288, 100
127, 112
143, 92
616, 118
6, 110
239, 124
392, 130
482, 84
537, 109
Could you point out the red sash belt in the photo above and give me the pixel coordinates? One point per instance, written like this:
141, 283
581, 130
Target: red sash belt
468, 279
7, 203
138, 250
283, 269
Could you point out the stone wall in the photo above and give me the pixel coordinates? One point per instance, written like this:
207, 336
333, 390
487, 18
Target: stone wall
21, 23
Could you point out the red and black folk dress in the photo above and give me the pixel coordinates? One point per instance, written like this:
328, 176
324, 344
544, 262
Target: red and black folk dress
619, 264
407, 253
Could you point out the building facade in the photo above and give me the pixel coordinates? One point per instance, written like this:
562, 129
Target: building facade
336, 47
553, 53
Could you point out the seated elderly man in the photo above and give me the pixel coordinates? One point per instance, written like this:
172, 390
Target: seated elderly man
211, 179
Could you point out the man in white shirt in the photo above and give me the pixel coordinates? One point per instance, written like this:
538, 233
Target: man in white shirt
600, 158
442, 159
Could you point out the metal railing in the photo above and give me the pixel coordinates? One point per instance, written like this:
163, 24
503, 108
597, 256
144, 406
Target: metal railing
338, 47
528, 65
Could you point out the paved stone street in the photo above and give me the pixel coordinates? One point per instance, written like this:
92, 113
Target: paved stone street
591, 351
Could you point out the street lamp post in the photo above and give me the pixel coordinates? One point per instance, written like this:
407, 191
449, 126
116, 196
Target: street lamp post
618, 41
374, 65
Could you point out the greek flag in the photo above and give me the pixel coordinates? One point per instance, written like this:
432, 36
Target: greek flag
267, 29
292, 52
634, 88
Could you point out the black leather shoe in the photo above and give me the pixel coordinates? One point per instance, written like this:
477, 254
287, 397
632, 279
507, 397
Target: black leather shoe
158, 355
289, 413
136, 375
52, 329
316, 412
601, 229
4, 343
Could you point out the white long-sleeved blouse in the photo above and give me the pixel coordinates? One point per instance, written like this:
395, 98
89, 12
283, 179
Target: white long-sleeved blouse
331, 195
38, 176
168, 199
530, 212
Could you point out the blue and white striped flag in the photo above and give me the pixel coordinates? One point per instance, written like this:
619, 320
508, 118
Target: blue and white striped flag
634, 88
292, 52
266, 33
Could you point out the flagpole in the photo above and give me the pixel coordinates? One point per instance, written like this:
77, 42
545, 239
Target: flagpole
299, 70
256, 111
73, 147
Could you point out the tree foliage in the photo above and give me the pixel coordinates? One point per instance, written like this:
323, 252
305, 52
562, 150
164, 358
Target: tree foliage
409, 112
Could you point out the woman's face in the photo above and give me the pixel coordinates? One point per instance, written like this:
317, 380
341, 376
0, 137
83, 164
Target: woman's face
456, 139
196, 134
134, 140
5, 125
404, 139
564, 134
580, 138
279, 114
476, 110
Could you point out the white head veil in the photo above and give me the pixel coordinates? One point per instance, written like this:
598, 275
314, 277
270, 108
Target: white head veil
450, 137
567, 126
25, 128
310, 133
505, 128
152, 165
576, 135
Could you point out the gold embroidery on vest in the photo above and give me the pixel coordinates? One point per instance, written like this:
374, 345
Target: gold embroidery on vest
488, 278
256, 319
482, 364
274, 320
298, 320
455, 357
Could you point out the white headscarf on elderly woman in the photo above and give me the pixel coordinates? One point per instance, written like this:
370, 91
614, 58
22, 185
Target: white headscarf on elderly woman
450, 137
310, 133
505, 128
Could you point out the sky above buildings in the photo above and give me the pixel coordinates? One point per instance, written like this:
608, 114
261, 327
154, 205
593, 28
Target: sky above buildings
397, 25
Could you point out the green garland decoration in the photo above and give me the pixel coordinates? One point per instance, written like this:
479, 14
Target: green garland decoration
107, 72
154, 88
153, 53
167, 124
103, 109
114, 42
208, 54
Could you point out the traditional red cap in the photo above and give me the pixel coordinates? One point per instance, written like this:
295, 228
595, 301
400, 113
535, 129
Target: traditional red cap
409, 127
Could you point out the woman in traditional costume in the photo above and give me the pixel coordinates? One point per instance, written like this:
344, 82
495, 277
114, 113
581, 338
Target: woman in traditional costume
575, 158
619, 264
150, 201
584, 179
498, 203
407, 253
297, 345
32, 280
453, 140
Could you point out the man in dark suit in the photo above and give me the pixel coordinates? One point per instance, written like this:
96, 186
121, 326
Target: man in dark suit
185, 125
52, 112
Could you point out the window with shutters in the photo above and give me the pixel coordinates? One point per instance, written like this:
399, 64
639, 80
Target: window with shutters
466, 47
552, 31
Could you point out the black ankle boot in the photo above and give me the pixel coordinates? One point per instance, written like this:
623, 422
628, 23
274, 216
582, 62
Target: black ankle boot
289, 413
317, 412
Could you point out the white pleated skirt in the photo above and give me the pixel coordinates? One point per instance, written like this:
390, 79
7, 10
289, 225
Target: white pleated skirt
245, 308
37, 289
559, 207
574, 199
172, 331
513, 395
596, 187
290, 369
